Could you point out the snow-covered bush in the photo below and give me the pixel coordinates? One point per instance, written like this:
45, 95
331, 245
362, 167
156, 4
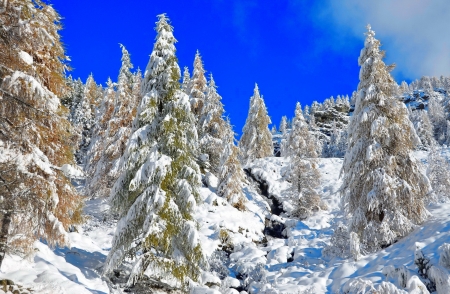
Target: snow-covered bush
363, 286
218, 263
339, 243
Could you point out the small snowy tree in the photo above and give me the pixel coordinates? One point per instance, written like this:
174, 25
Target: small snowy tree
158, 189
383, 189
85, 121
95, 180
438, 119
231, 176
256, 140
283, 125
197, 85
186, 80
438, 172
304, 175
212, 126
423, 127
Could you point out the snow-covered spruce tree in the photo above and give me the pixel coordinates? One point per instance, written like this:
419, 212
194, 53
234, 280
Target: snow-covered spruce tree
118, 131
438, 172
85, 117
186, 80
283, 124
231, 174
211, 126
383, 189
256, 140
331, 148
37, 200
197, 86
94, 169
423, 127
158, 189
304, 175
437, 117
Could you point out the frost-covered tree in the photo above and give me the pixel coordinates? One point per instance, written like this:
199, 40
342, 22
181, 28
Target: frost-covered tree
158, 189
438, 172
212, 126
425, 84
186, 80
333, 147
423, 127
283, 125
256, 140
197, 85
304, 173
95, 179
85, 118
37, 201
404, 87
383, 189
231, 175
438, 119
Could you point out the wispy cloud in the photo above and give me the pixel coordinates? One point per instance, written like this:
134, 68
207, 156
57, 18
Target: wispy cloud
414, 33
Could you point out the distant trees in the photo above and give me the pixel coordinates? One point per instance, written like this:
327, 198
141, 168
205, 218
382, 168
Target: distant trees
37, 201
383, 190
158, 189
256, 140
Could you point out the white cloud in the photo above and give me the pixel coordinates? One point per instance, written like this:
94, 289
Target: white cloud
414, 33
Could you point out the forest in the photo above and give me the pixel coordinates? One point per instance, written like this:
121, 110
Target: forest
141, 186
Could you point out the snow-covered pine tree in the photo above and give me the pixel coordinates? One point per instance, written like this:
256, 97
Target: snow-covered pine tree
37, 200
283, 125
211, 126
304, 175
256, 140
72, 101
383, 189
273, 130
197, 86
423, 127
158, 188
331, 149
95, 165
186, 81
119, 126
438, 119
438, 172
231, 174
85, 117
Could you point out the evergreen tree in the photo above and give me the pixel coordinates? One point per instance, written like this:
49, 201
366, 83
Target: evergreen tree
197, 85
383, 189
304, 175
423, 127
283, 124
158, 188
186, 80
211, 126
37, 200
438, 119
85, 117
438, 172
95, 160
256, 140
231, 175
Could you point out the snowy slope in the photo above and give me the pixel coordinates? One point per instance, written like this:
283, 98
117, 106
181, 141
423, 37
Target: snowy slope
257, 259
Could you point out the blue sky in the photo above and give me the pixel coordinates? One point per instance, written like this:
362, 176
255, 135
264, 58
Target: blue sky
295, 50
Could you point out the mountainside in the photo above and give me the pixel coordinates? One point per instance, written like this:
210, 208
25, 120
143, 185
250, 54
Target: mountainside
260, 250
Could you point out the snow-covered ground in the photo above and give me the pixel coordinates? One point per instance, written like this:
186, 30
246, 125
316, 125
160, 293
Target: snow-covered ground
261, 263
